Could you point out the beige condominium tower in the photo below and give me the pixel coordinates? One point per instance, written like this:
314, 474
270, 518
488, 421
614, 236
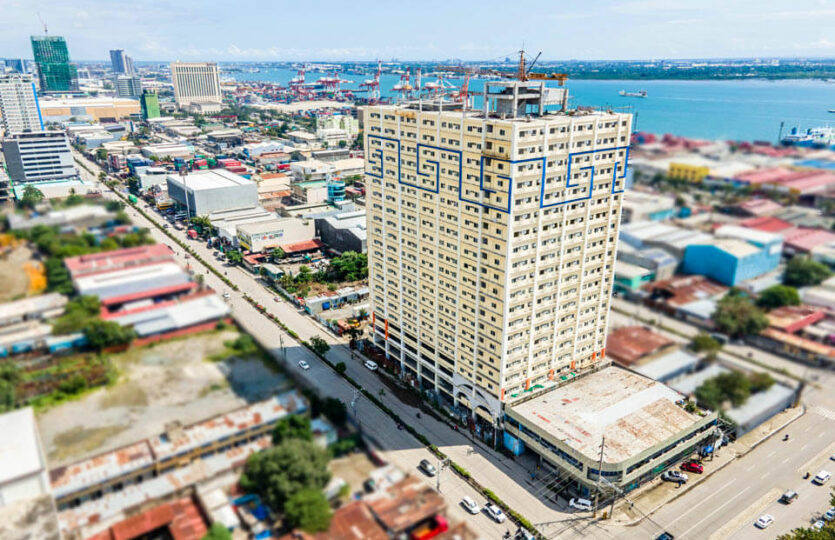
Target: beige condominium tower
197, 86
492, 236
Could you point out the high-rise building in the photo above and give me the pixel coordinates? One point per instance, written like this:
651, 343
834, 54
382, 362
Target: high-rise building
55, 72
492, 237
19, 110
149, 102
197, 85
16, 64
121, 62
39, 157
128, 86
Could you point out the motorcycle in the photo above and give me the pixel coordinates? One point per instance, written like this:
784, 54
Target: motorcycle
786, 437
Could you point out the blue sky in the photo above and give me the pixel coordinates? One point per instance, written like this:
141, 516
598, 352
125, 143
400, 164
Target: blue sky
425, 30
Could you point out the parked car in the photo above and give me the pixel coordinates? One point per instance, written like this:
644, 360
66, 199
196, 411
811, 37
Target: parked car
665, 536
580, 504
788, 497
370, 365
304, 365
226, 296
819, 524
470, 505
764, 521
427, 467
692, 466
674, 476
822, 477
495, 513
830, 514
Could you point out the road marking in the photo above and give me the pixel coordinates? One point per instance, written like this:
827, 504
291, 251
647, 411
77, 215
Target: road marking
745, 517
771, 454
823, 411
807, 429
764, 475
729, 501
820, 434
751, 468
804, 447
695, 506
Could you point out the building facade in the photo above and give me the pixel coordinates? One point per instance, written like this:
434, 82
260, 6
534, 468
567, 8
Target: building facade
39, 157
196, 83
55, 72
128, 86
121, 62
149, 103
492, 238
19, 109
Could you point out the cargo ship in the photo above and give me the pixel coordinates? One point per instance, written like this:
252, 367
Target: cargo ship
819, 137
639, 93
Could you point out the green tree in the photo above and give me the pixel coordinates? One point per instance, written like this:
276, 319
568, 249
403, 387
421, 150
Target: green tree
341, 368
702, 342
802, 272
350, 266
57, 276
103, 334
74, 199
102, 176
101, 154
304, 275
778, 296
308, 510
733, 386
32, 197
280, 471
737, 316
9, 379
319, 345
234, 257
277, 254
218, 531
295, 426
77, 314
335, 411
760, 381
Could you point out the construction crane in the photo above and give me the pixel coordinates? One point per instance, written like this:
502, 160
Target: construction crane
525, 74
45, 31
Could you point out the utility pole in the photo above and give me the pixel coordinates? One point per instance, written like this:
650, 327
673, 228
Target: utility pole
599, 475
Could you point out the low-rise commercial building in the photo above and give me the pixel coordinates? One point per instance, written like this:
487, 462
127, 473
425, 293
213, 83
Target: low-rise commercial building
345, 231
264, 236
641, 206
736, 255
170, 150
641, 426
310, 192
88, 109
204, 192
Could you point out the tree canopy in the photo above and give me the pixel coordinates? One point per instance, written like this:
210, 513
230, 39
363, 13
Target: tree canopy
802, 272
350, 266
280, 471
734, 386
102, 334
78, 314
778, 296
32, 197
702, 342
294, 426
218, 531
319, 345
737, 316
308, 510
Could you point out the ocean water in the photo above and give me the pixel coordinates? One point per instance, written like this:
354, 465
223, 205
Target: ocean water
731, 110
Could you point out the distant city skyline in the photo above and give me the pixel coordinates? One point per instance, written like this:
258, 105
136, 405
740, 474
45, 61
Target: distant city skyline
156, 30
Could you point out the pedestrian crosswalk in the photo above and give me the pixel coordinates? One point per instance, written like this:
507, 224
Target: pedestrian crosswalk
829, 414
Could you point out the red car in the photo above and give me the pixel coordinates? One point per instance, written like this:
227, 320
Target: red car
692, 466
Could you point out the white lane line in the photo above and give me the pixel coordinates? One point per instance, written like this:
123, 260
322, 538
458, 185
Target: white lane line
764, 475
785, 460
729, 501
821, 434
695, 506
771, 454
804, 447
751, 468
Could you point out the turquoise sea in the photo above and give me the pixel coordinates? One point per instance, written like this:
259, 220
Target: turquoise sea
733, 110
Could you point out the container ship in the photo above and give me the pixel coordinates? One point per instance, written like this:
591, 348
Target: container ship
639, 93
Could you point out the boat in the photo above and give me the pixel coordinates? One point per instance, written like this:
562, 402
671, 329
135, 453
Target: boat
832, 110
819, 137
639, 93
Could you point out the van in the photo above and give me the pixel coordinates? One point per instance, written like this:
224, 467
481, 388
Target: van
580, 504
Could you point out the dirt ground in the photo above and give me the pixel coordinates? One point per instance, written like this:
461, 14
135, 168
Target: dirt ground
173, 380
15, 283
353, 468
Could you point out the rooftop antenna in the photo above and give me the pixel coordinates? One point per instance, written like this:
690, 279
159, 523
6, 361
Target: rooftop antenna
45, 31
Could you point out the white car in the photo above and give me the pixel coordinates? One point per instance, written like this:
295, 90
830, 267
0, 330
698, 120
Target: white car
580, 504
304, 365
764, 521
226, 296
495, 512
821, 478
674, 476
370, 365
818, 525
830, 514
470, 505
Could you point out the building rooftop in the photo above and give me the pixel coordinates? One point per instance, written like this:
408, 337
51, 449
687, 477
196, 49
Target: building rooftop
663, 366
688, 384
20, 448
18, 309
118, 259
737, 248
270, 225
760, 207
766, 223
176, 315
96, 470
794, 318
404, 504
631, 343
630, 271
633, 412
804, 239
210, 179
195, 435
132, 279
755, 236
760, 402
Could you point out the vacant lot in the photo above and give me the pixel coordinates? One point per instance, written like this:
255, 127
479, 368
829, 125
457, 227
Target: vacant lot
15, 283
187, 380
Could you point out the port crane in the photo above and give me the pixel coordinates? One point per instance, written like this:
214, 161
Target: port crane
373, 85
